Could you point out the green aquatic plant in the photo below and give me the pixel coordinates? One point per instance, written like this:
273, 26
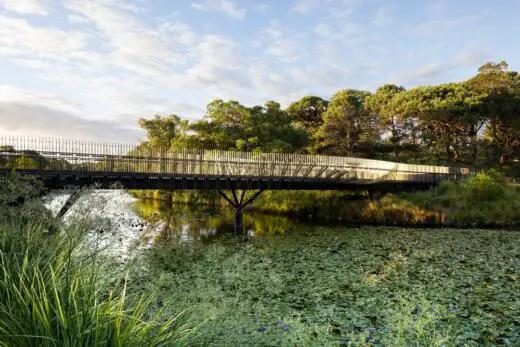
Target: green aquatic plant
347, 286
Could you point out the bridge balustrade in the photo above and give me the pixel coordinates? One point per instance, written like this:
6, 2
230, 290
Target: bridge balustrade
62, 155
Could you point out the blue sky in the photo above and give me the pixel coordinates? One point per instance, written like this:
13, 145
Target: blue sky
90, 68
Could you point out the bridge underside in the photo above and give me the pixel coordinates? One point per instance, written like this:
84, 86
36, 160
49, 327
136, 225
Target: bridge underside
154, 181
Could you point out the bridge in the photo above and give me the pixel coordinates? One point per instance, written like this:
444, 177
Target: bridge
63, 163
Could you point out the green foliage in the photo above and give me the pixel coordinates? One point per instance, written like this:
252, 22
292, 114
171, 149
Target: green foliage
56, 289
228, 125
483, 198
307, 113
347, 123
164, 132
348, 286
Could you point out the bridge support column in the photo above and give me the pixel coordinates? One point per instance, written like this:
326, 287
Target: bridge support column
239, 204
239, 223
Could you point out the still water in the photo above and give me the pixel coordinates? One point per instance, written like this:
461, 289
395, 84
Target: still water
181, 223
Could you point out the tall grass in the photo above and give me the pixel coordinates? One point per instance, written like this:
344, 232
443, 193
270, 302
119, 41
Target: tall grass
57, 290
484, 198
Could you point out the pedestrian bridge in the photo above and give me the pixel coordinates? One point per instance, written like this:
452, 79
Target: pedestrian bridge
66, 162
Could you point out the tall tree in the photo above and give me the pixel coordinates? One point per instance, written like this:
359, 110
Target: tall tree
307, 113
382, 105
223, 126
347, 123
449, 116
162, 132
500, 89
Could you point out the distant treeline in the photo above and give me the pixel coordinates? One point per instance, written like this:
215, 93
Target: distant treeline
474, 122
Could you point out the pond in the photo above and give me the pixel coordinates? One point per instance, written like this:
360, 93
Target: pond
295, 283
181, 223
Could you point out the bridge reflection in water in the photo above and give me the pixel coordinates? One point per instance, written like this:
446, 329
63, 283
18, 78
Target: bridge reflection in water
65, 162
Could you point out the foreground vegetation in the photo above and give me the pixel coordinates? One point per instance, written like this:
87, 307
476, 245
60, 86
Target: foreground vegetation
315, 286
57, 289
347, 287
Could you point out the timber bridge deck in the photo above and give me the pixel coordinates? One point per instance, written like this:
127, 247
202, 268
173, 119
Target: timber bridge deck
61, 163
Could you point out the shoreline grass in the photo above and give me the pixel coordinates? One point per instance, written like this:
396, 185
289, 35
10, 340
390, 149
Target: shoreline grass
56, 289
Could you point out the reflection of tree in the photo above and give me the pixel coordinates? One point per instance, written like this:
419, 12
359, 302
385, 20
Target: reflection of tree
181, 222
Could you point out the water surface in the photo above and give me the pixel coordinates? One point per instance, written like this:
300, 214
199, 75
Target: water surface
181, 223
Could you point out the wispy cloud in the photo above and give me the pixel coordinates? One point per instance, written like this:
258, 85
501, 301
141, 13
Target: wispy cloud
432, 71
38, 7
382, 16
19, 38
227, 7
34, 120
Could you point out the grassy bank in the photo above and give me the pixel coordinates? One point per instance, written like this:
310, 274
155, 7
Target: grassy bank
58, 289
483, 199
348, 287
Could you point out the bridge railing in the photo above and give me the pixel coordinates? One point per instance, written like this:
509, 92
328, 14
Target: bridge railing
66, 155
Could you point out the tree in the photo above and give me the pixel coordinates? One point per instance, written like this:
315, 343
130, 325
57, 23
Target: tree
307, 114
223, 126
347, 123
449, 116
500, 90
163, 132
274, 130
382, 105
228, 125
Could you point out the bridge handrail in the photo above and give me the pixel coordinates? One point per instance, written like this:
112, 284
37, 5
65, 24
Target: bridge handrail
88, 156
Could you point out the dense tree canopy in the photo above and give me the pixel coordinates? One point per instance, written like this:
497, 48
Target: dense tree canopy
307, 113
473, 122
347, 122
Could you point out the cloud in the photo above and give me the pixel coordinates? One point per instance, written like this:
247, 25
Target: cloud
420, 74
306, 6
38, 7
19, 38
471, 57
29, 119
322, 30
227, 7
444, 26
334, 8
432, 71
134, 45
281, 42
382, 16
13, 94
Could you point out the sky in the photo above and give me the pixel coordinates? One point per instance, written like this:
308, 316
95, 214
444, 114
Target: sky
88, 69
